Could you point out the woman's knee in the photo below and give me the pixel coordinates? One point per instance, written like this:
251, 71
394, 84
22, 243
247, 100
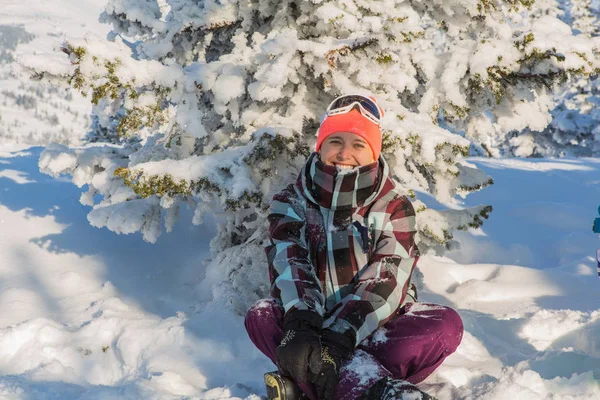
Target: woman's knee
263, 323
263, 312
451, 327
442, 322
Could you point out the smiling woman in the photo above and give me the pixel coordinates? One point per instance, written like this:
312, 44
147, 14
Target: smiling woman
341, 255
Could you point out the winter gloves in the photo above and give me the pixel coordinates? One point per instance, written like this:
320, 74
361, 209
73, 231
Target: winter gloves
300, 349
309, 354
335, 349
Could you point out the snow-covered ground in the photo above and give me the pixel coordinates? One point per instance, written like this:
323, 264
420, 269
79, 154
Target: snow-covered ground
87, 314
526, 286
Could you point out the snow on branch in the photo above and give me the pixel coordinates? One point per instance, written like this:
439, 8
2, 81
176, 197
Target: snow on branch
215, 105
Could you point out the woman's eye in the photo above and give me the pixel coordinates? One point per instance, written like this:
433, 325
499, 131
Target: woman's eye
359, 146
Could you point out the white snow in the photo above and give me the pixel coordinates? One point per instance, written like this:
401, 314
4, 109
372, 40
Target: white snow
15, 176
87, 314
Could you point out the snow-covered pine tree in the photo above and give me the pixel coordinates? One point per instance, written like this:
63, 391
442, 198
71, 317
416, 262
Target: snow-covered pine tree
573, 130
215, 104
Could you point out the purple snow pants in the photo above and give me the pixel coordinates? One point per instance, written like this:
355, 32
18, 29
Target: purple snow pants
410, 346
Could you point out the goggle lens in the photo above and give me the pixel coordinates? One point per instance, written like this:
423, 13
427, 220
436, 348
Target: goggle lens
365, 102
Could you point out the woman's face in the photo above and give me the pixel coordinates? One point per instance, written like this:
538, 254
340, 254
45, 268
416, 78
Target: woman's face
346, 150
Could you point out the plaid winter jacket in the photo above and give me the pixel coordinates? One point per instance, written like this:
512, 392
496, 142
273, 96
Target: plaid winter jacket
342, 244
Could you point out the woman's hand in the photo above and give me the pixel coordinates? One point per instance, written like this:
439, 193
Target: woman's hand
336, 348
300, 350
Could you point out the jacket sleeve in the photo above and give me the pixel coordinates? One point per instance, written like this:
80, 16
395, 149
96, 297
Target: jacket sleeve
382, 284
293, 277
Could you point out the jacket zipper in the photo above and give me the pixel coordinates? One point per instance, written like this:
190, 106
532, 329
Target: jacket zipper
330, 260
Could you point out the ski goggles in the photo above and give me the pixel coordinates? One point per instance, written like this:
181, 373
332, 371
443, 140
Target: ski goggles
346, 103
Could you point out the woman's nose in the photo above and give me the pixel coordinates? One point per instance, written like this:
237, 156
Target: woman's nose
344, 152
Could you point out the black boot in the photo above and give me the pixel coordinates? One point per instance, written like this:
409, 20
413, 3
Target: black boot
394, 389
281, 388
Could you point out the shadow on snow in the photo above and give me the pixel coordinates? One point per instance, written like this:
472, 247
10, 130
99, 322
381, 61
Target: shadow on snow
159, 277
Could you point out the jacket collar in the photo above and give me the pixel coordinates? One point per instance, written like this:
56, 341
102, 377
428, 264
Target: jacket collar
334, 188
